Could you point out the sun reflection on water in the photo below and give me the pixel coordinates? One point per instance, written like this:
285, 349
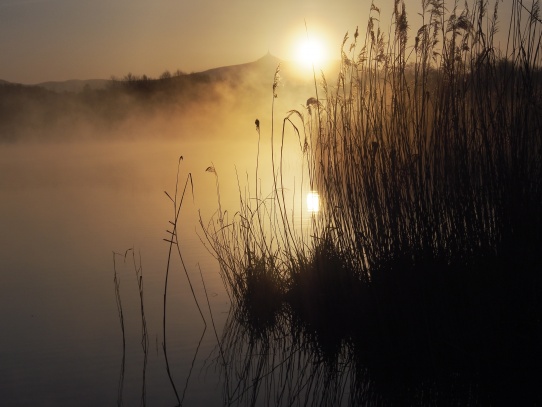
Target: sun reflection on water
313, 202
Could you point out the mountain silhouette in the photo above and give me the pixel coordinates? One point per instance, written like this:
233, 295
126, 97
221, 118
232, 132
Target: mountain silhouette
261, 70
265, 65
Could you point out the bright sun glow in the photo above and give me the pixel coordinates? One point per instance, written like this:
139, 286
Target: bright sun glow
313, 202
310, 52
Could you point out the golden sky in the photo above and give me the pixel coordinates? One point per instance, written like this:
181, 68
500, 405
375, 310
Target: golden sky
43, 40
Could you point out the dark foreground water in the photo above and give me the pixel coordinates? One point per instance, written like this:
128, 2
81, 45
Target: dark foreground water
65, 208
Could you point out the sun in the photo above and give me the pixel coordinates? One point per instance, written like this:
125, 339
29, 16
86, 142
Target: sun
310, 51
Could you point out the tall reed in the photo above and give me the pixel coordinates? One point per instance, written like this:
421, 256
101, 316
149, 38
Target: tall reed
427, 155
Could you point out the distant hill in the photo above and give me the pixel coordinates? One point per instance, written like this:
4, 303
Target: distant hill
99, 107
266, 63
263, 67
74, 85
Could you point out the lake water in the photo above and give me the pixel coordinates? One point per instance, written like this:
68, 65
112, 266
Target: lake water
67, 207
64, 209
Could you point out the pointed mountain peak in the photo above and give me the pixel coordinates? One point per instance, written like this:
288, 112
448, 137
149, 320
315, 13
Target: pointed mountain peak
268, 58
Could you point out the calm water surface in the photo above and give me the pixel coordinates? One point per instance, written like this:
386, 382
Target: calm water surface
64, 209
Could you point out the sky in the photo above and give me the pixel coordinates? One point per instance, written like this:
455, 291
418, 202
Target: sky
55, 40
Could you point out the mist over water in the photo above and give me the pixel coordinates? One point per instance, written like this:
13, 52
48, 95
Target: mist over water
74, 190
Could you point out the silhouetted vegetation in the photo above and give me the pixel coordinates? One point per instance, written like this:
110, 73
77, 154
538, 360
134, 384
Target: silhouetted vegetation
424, 260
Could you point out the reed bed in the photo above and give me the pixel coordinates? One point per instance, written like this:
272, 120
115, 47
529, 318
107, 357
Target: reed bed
427, 156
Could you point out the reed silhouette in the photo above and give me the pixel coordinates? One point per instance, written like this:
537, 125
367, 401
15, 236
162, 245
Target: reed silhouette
424, 258
138, 269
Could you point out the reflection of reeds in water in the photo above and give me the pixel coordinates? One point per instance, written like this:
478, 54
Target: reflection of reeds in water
285, 365
121, 319
425, 254
144, 333
138, 268
174, 246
